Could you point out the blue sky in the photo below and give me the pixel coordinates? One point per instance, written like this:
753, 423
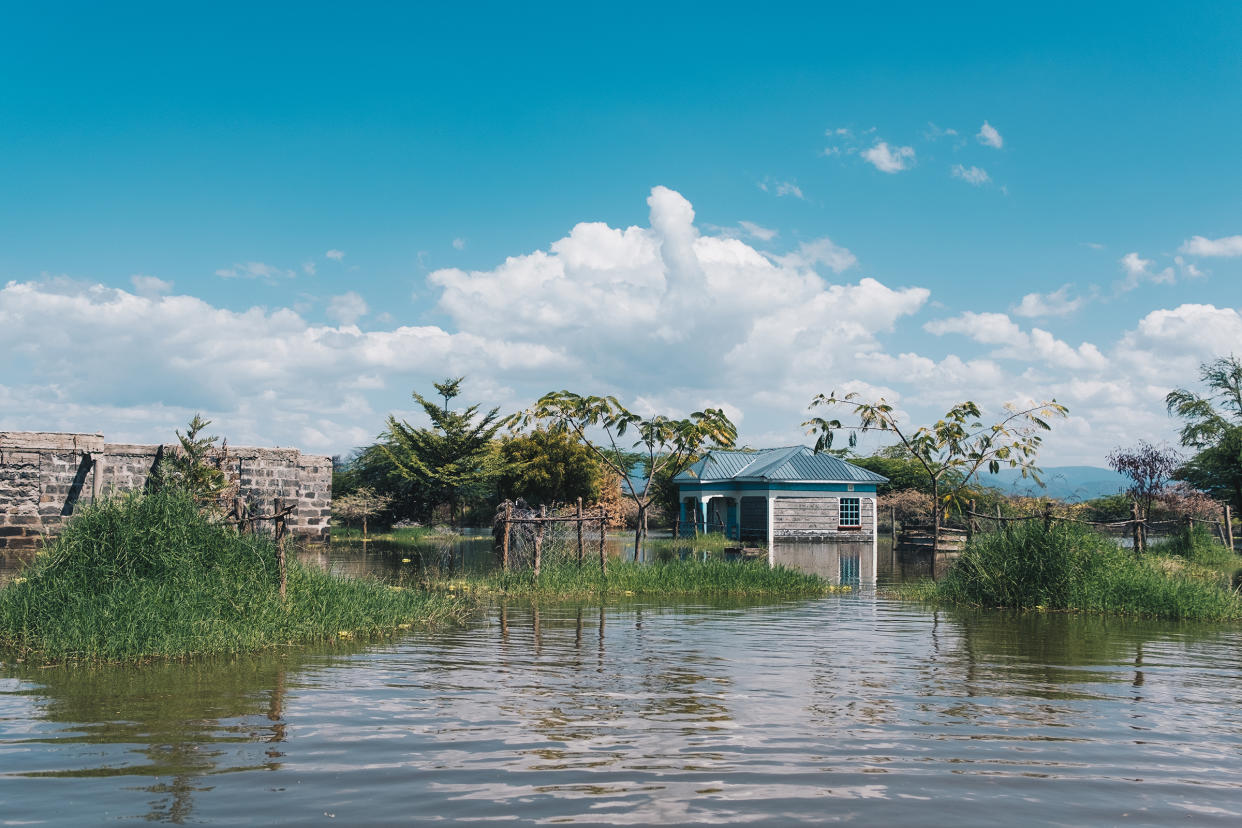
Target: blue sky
173, 181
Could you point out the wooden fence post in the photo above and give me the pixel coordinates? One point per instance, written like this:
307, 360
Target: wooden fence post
603, 534
504, 538
540, 528
1135, 530
580, 533
998, 518
970, 521
1047, 516
1228, 528
278, 506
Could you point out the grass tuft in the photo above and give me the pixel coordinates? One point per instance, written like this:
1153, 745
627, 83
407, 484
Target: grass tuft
1069, 567
146, 576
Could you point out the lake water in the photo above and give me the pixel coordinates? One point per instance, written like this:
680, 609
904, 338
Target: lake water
843, 708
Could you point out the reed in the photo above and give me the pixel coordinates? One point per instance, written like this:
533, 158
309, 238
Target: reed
629, 579
146, 576
1069, 567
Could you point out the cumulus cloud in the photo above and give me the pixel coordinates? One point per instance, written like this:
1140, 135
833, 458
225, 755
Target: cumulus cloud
255, 270
756, 231
1037, 345
822, 251
889, 160
1227, 246
989, 137
149, 285
1057, 303
347, 308
335, 255
971, 175
1138, 270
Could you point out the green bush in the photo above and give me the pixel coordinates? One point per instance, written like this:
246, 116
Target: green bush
1197, 545
148, 576
1070, 567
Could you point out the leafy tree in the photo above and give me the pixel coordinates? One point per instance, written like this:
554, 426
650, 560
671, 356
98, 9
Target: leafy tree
1213, 426
1149, 468
196, 465
362, 504
952, 450
548, 466
454, 460
666, 445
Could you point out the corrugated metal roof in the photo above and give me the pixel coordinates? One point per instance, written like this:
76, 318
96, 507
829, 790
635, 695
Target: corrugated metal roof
781, 464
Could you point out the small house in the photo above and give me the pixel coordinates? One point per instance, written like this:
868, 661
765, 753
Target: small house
816, 512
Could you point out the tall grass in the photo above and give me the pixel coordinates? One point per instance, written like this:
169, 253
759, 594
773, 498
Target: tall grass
567, 581
1070, 567
147, 576
1197, 545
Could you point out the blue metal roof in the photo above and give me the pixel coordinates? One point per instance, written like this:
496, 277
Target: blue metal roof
792, 463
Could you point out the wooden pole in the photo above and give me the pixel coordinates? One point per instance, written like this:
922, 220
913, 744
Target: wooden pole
970, 521
1228, 528
603, 534
1134, 528
580, 533
277, 509
504, 538
1047, 516
998, 517
540, 528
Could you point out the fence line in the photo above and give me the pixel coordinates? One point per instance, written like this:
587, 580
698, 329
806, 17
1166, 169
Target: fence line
526, 539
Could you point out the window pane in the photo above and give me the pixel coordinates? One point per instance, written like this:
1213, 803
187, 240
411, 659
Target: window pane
851, 513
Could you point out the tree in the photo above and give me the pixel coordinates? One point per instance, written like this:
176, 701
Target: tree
196, 465
1213, 425
1150, 468
361, 504
952, 450
455, 458
547, 467
665, 444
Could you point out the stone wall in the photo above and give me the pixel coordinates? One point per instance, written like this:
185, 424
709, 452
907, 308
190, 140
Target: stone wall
45, 476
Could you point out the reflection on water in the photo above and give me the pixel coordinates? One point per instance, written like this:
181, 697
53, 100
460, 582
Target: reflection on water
831, 709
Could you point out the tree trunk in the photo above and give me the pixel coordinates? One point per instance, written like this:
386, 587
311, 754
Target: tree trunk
935, 523
638, 530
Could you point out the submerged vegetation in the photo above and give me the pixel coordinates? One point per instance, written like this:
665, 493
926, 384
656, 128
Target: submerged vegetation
1069, 567
147, 575
566, 581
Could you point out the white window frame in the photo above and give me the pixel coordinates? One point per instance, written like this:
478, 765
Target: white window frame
857, 512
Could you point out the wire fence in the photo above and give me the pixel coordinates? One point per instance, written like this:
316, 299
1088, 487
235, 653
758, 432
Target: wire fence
528, 538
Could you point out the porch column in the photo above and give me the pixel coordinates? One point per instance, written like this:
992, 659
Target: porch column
771, 503
681, 513
703, 504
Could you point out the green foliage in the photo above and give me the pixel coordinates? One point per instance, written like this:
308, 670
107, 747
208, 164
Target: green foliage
197, 466
1197, 545
547, 467
148, 576
1213, 425
625, 579
452, 462
363, 504
1115, 507
955, 448
1070, 567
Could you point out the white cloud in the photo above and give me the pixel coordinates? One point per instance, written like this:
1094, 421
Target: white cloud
149, 285
347, 308
1227, 246
308, 267
255, 270
889, 160
459, 243
971, 175
756, 231
1139, 270
781, 188
335, 255
819, 251
988, 136
1038, 345
1056, 303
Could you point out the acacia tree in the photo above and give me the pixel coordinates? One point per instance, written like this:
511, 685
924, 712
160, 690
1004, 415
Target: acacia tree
1213, 426
666, 445
1150, 468
361, 504
454, 456
952, 450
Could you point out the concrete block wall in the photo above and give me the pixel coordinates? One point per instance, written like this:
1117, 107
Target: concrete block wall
45, 476
820, 517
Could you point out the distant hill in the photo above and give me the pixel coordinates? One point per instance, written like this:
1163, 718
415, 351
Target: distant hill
1071, 483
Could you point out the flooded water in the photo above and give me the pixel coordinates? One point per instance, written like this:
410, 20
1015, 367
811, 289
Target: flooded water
844, 708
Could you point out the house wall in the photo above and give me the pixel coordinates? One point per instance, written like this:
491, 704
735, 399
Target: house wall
46, 476
820, 517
